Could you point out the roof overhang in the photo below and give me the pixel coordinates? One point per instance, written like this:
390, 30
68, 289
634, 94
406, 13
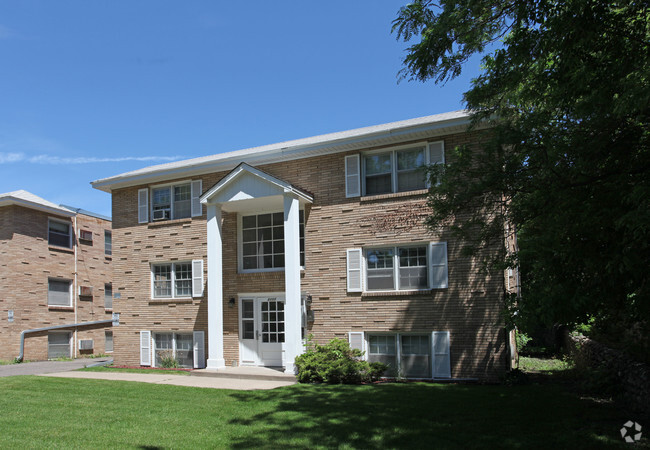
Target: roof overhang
357, 139
8, 201
247, 188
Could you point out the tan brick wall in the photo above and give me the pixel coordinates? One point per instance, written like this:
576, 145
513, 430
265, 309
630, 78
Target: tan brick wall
26, 264
470, 308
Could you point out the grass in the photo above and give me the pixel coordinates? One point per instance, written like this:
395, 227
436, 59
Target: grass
63, 413
5, 362
134, 370
530, 364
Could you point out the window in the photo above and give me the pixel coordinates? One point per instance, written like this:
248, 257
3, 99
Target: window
262, 241
176, 280
59, 292
108, 341
397, 268
381, 348
108, 296
171, 202
59, 233
108, 243
411, 355
174, 346
58, 344
399, 170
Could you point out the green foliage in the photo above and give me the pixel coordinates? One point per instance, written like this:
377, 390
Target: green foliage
334, 363
167, 360
522, 339
566, 161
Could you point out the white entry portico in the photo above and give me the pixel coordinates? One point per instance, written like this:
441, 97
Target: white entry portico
247, 190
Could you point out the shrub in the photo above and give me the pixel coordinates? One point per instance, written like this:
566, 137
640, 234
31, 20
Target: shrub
167, 360
334, 363
522, 340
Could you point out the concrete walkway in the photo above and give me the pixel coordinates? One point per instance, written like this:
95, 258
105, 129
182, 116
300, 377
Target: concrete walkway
43, 367
179, 380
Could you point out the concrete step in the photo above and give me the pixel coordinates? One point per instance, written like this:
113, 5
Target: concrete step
245, 373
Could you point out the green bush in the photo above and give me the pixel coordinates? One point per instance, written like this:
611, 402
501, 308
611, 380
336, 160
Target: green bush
334, 363
167, 360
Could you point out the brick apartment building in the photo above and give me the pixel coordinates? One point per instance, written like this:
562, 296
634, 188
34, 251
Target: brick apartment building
233, 259
55, 271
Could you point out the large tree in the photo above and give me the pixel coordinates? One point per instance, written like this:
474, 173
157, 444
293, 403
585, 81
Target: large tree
565, 86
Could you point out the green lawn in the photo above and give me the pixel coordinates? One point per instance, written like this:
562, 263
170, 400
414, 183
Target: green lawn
58, 412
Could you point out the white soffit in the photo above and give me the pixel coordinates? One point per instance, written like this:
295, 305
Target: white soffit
356, 139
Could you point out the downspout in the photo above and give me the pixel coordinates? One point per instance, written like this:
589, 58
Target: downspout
55, 327
76, 288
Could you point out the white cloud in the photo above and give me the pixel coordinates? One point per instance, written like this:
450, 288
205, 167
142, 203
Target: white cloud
11, 157
6, 158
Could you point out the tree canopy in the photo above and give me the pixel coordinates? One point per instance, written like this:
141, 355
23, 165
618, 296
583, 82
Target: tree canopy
565, 88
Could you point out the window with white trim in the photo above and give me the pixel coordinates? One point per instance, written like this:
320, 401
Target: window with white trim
399, 170
411, 355
262, 241
172, 201
59, 292
175, 280
174, 346
398, 268
59, 233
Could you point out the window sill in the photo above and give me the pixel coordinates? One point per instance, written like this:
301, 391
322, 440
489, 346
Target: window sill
373, 198
166, 301
162, 223
55, 248
60, 308
396, 293
108, 310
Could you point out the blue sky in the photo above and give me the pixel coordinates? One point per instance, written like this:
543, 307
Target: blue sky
90, 89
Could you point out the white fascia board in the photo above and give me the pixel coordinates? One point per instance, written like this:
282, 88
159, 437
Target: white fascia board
452, 122
37, 206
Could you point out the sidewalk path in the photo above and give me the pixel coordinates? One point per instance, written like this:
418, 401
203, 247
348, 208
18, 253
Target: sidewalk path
177, 380
43, 367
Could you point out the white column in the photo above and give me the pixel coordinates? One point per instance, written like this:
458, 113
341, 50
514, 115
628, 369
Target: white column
215, 289
293, 340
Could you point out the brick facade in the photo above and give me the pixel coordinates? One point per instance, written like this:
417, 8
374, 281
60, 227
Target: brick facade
470, 308
27, 261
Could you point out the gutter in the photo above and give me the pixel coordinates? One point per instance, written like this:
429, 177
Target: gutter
55, 327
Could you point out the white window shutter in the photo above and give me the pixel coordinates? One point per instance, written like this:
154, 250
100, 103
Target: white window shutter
439, 273
354, 266
199, 350
143, 205
352, 176
437, 153
441, 358
197, 278
145, 348
197, 190
355, 338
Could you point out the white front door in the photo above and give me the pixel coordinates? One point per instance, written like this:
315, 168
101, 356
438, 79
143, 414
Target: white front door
261, 331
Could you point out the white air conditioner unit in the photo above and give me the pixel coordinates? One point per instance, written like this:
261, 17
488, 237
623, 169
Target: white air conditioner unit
85, 291
86, 235
85, 344
161, 214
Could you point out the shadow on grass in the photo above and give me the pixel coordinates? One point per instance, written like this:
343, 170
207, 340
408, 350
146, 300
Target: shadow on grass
425, 415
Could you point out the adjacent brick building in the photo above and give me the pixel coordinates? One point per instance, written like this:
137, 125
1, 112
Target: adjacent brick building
55, 269
233, 259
